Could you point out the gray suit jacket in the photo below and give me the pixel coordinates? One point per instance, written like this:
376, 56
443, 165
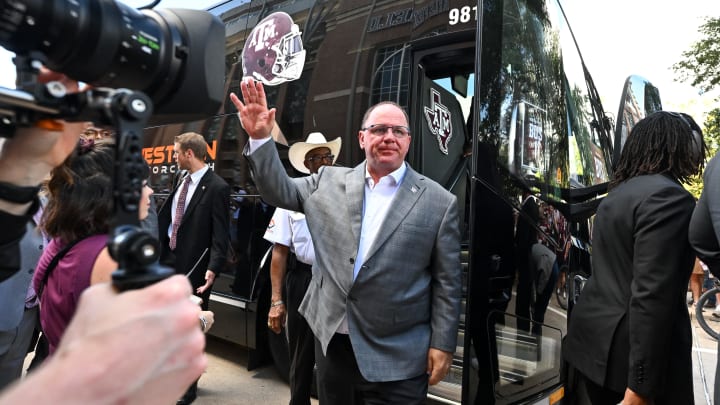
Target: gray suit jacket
406, 297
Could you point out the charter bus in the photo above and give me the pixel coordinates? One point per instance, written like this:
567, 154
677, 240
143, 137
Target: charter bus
502, 109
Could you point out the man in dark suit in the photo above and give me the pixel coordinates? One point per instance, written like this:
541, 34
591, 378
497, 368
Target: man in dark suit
704, 233
194, 223
384, 299
629, 333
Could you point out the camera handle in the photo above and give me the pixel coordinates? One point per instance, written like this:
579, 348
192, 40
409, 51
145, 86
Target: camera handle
134, 249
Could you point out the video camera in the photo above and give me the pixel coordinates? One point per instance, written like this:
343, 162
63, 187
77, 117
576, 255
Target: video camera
145, 68
175, 56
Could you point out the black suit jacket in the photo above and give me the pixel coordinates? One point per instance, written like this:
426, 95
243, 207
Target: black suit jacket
630, 327
205, 225
705, 223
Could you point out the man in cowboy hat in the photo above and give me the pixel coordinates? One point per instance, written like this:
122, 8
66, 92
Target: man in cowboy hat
293, 251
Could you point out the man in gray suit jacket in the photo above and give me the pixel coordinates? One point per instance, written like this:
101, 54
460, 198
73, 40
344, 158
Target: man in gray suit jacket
384, 300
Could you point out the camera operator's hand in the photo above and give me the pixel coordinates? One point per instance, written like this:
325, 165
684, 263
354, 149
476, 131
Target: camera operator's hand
255, 117
31, 153
139, 347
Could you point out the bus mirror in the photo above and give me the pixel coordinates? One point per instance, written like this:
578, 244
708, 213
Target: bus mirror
460, 84
639, 98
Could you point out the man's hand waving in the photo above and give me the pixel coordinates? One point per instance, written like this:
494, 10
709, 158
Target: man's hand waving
255, 117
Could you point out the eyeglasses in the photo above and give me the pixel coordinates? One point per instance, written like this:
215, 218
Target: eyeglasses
398, 131
97, 133
320, 158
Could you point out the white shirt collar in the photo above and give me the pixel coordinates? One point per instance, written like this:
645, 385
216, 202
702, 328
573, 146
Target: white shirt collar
396, 177
199, 174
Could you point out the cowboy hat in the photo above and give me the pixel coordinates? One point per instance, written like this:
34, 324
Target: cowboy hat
298, 150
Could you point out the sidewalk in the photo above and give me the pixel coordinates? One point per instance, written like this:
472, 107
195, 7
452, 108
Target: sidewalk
704, 358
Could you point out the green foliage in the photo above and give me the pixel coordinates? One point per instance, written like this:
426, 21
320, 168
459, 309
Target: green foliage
701, 63
711, 134
701, 67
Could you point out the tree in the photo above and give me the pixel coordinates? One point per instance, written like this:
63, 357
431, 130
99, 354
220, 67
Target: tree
701, 67
701, 63
711, 134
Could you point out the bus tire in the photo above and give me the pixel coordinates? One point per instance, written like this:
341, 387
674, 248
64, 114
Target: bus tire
700, 315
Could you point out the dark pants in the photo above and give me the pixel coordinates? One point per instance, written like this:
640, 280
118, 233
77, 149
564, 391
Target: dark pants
524, 285
300, 337
543, 299
14, 347
341, 383
589, 393
168, 259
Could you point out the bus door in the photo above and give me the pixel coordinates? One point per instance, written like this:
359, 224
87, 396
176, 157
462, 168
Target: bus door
502, 357
439, 108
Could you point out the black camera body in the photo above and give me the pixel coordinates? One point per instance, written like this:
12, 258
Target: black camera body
175, 56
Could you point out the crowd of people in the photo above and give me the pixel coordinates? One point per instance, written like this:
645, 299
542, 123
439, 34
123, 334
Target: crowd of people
333, 323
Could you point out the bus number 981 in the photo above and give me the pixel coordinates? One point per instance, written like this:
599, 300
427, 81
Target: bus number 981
462, 15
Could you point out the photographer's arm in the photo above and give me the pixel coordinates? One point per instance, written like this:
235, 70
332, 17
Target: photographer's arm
26, 160
32, 152
28, 157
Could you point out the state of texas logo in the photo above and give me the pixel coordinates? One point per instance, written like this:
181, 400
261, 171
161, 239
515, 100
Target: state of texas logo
438, 119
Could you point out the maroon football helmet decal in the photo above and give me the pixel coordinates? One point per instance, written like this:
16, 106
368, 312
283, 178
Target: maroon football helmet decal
273, 52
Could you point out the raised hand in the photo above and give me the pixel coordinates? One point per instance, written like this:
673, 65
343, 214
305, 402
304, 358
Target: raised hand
255, 117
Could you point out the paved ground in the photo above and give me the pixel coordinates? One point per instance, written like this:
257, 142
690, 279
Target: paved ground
704, 360
228, 382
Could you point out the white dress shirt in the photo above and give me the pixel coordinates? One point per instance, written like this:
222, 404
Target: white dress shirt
195, 177
377, 200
